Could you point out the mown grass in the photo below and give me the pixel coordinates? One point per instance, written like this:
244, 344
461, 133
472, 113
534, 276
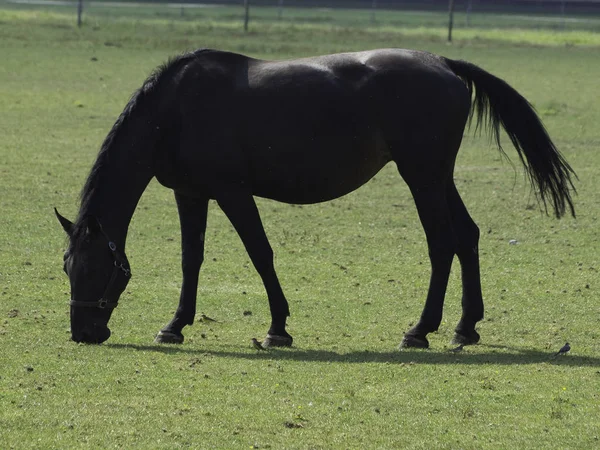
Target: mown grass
508, 19
355, 271
344, 25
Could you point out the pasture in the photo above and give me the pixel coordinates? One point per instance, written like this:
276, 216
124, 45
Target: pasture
355, 270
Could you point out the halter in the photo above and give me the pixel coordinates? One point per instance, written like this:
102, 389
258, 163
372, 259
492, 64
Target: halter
120, 267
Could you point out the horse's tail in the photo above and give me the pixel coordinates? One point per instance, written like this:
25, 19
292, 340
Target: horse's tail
496, 103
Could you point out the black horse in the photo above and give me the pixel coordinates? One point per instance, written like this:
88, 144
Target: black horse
222, 126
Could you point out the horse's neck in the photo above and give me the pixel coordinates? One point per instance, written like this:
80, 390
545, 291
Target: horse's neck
120, 179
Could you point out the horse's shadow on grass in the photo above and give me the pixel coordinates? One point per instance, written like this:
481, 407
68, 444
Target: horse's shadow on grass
493, 354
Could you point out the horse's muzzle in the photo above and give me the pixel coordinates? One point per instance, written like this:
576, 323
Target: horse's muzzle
91, 335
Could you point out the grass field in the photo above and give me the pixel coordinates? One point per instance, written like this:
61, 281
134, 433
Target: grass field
355, 270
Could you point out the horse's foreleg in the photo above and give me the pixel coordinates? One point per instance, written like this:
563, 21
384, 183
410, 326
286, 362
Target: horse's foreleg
434, 214
467, 235
241, 210
192, 216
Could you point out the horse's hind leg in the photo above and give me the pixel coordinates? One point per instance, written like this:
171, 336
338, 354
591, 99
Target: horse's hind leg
467, 235
435, 217
192, 216
241, 210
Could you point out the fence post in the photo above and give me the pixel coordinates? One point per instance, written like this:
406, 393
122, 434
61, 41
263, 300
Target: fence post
373, 8
246, 14
280, 10
451, 19
79, 12
469, 9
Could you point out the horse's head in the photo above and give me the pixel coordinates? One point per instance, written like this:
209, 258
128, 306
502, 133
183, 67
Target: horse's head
98, 272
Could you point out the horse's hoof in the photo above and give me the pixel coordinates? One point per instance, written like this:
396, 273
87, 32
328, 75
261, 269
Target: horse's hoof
273, 340
166, 337
410, 341
462, 339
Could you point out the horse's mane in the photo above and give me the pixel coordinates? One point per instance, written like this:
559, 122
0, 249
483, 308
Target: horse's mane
151, 85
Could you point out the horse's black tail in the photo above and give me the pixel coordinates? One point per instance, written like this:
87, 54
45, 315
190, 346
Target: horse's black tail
495, 103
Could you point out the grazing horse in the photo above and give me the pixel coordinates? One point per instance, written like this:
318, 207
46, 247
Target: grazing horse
223, 126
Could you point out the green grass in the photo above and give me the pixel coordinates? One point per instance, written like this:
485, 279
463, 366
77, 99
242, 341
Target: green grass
331, 16
331, 25
355, 270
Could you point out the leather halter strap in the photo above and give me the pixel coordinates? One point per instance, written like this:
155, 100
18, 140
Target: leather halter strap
120, 268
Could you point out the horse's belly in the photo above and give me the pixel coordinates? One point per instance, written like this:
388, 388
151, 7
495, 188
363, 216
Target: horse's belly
313, 175
308, 190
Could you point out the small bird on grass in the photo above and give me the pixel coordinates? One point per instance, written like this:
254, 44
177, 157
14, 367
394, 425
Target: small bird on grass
257, 345
457, 349
564, 349
205, 318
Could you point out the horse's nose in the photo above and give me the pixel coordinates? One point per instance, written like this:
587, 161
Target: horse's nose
94, 335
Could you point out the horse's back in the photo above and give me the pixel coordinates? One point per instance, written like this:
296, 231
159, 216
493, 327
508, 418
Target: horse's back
309, 129
341, 70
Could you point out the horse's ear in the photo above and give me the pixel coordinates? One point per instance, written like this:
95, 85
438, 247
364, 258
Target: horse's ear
66, 223
93, 225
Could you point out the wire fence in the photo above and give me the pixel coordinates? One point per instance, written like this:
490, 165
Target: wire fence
524, 14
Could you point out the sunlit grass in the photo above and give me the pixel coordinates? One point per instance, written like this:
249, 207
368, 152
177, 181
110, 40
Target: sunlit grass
355, 270
212, 23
